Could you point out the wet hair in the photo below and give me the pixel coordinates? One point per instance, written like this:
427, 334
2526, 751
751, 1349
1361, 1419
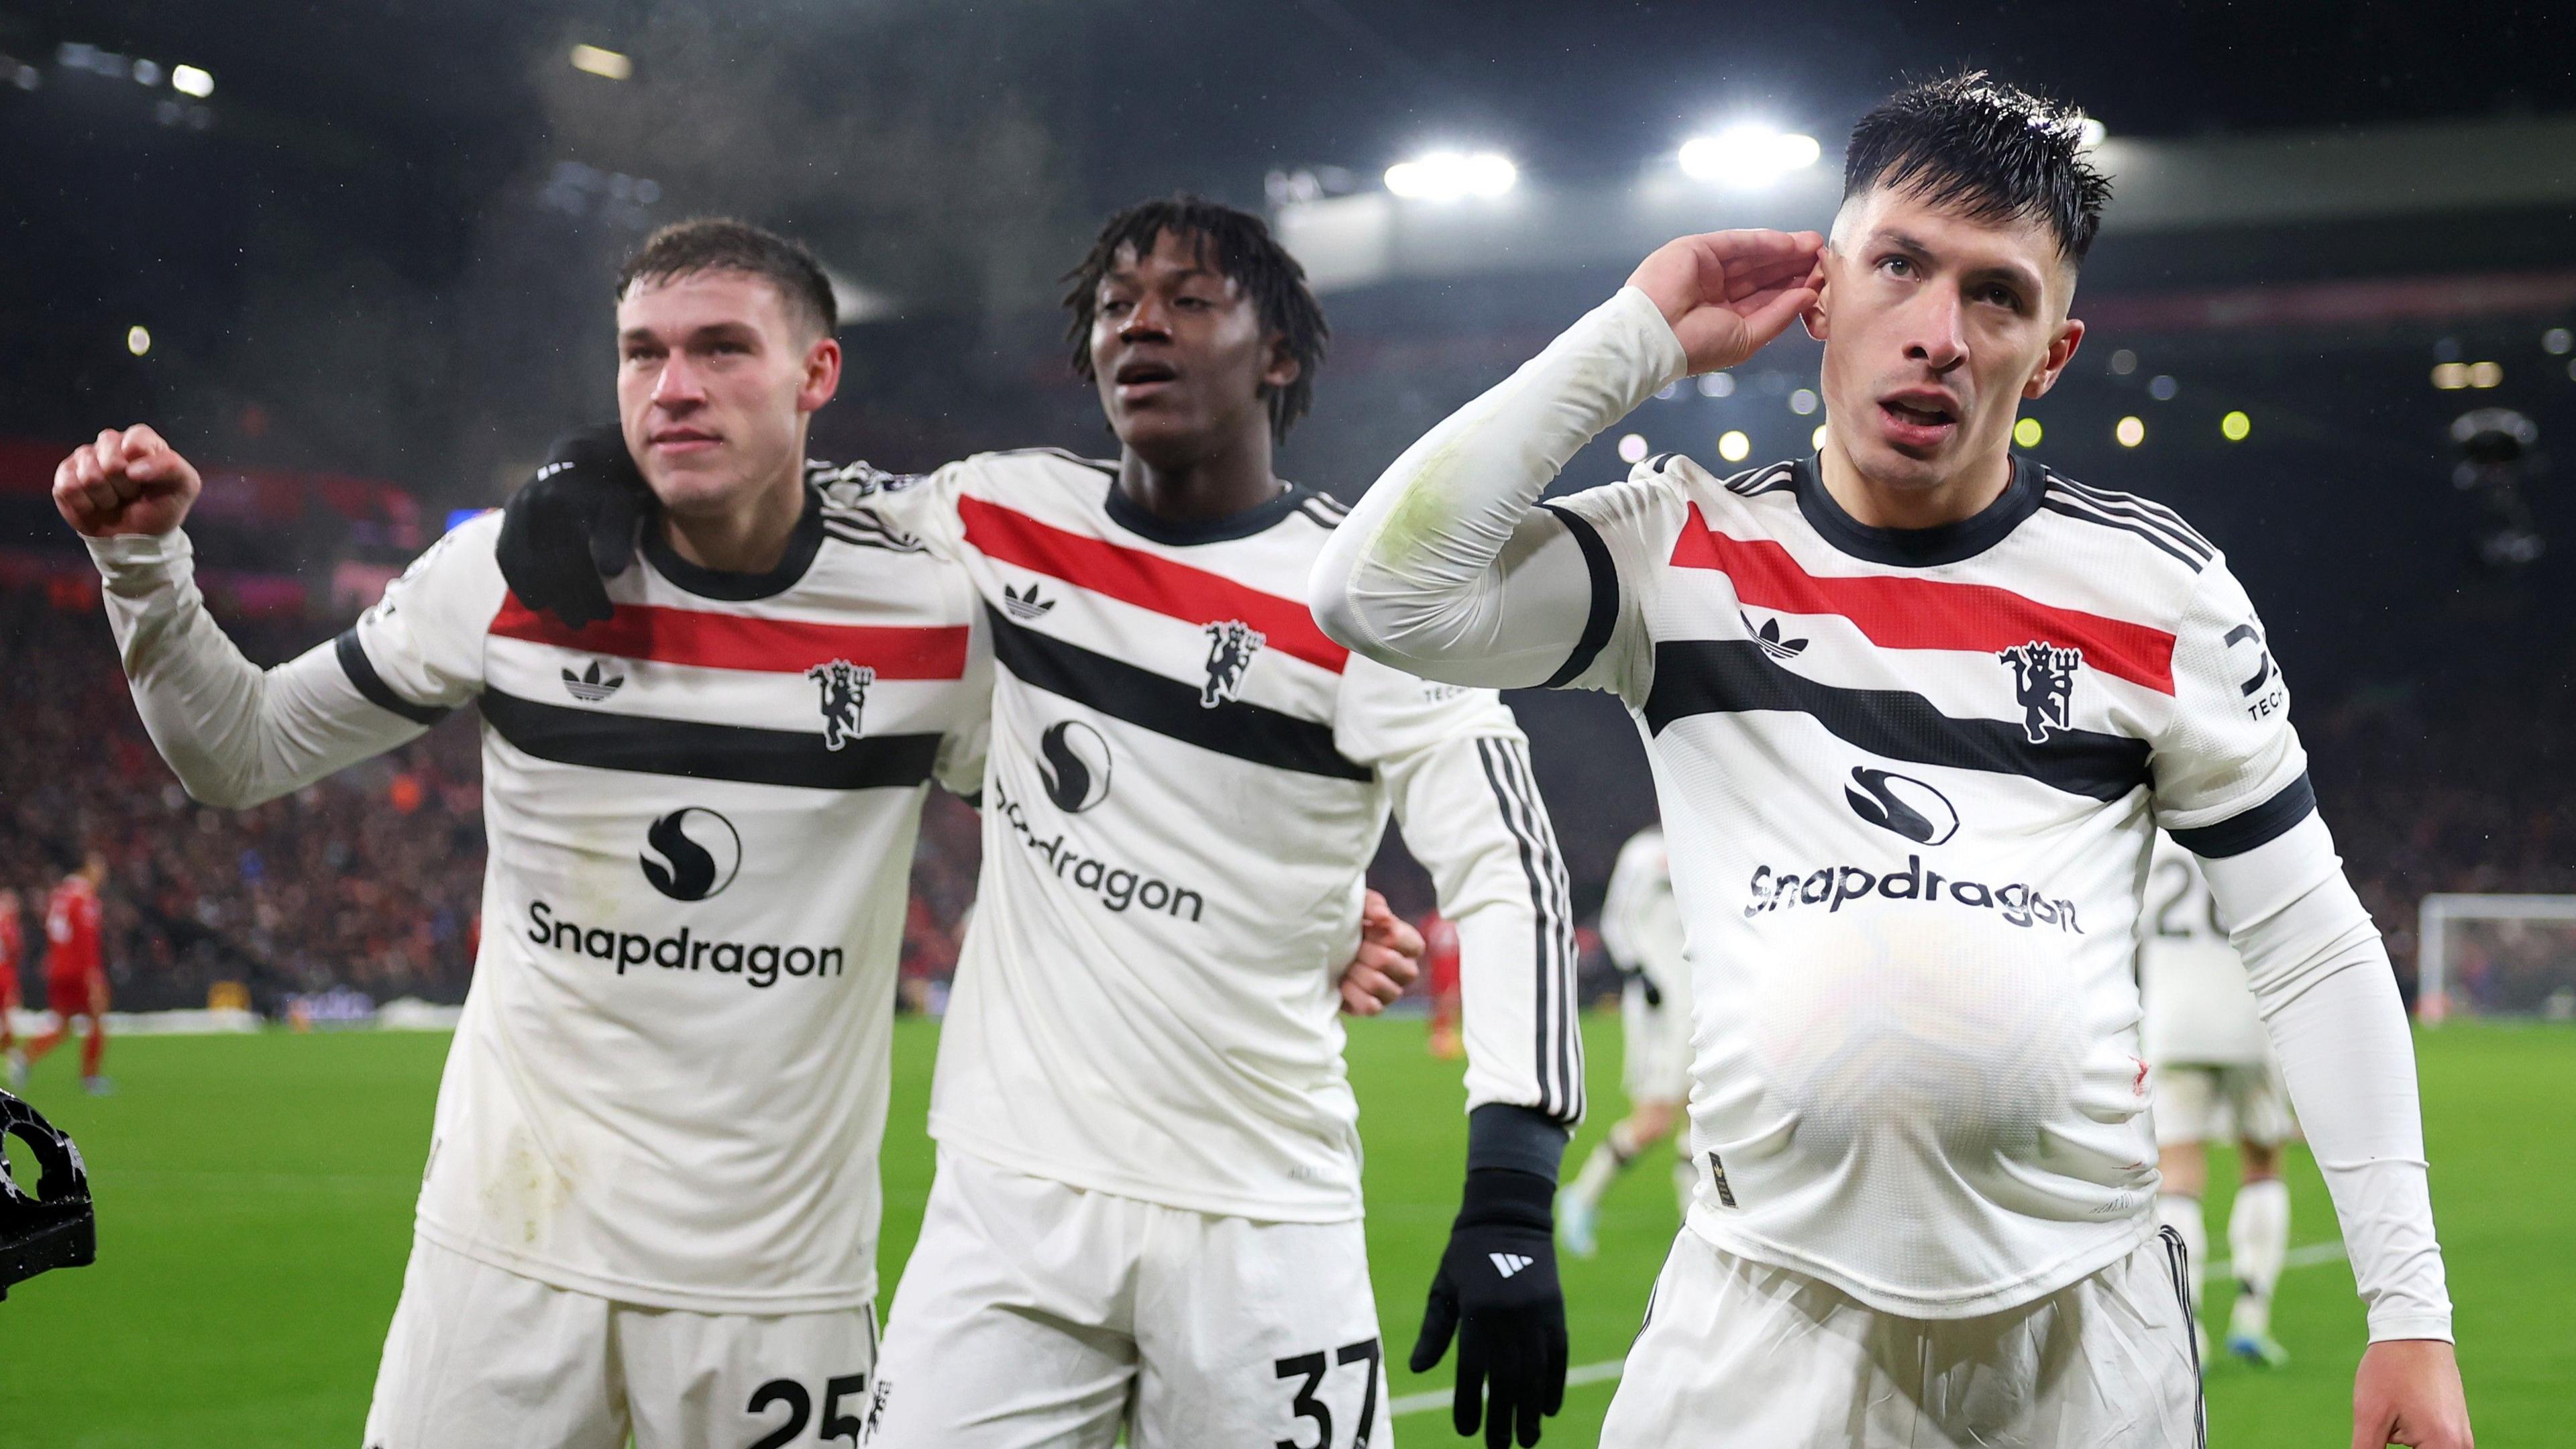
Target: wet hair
1990, 151
1243, 249
722, 244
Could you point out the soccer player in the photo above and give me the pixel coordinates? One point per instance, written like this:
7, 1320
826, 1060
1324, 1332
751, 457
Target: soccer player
1641, 928
1147, 1208
1915, 707
75, 971
12, 952
651, 1201
2215, 1076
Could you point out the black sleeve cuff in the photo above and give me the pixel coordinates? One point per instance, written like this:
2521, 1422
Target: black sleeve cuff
2261, 825
1605, 597
1522, 1139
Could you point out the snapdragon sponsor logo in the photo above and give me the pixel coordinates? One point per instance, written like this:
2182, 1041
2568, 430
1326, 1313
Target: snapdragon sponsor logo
1835, 886
1115, 886
758, 963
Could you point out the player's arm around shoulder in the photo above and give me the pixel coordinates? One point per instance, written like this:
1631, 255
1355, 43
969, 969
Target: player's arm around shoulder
235, 734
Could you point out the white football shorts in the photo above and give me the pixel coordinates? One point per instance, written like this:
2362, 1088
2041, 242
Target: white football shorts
1736, 1352
1656, 1041
1032, 1313
480, 1356
2244, 1102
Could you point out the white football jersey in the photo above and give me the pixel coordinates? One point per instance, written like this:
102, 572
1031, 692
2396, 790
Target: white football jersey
1186, 784
1641, 924
669, 1083
2199, 1009
1908, 781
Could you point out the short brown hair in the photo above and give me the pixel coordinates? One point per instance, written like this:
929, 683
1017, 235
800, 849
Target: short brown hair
722, 244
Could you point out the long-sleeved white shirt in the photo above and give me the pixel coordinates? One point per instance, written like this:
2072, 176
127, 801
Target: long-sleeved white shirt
1909, 779
669, 1084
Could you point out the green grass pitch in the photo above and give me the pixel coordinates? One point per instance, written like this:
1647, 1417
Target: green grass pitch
255, 1199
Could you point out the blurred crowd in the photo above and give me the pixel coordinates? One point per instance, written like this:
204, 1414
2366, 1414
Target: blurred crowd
371, 880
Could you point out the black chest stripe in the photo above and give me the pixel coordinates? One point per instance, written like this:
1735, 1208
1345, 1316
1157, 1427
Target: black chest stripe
1733, 676
708, 751
1167, 706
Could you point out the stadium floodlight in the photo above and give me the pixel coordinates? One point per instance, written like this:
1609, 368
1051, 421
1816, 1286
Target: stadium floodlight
2089, 132
1632, 448
2236, 427
1748, 156
189, 80
606, 64
2028, 432
1734, 446
2130, 432
138, 340
1449, 175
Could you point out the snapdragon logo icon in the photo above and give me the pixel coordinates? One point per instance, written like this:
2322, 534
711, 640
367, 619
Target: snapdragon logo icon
1902, 804
1073, 760
691, 854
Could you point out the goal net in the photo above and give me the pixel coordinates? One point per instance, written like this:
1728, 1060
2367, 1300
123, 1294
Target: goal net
2480, 955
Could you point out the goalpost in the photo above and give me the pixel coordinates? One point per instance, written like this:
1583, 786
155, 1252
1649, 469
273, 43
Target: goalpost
2482, 955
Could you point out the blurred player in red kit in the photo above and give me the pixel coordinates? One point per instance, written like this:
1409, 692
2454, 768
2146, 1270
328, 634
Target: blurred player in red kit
1440, 957
75, 978
12, 951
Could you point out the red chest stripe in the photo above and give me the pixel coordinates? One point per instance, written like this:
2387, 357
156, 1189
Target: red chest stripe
733, 641
1146, 580
1902, 613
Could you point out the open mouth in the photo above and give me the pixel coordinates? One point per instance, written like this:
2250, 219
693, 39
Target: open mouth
1143, 371
1920, 414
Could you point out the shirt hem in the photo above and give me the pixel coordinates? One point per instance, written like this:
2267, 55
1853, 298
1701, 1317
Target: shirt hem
645, 1294
1011, 1157
1968, 1303
2413, 1325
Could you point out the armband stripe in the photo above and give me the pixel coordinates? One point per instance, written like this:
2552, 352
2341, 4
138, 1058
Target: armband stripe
2261, 825
1605, 597
362, 673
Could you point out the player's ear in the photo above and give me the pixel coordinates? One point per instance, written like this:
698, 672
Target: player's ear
2061, 351
1283, 366
822, 377
1814, 316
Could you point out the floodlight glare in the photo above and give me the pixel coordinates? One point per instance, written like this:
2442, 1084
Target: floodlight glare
1816, 439
138, 340
1632, 448
606, 64
188, 80
2130, 432
2089, 132
1747, 156
2028, 432
1733, 446
2235, 427
1448, 175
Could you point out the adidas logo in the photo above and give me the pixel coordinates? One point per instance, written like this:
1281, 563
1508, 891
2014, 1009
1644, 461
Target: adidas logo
1768, 636
1025, 606
588, 685
1509, 1263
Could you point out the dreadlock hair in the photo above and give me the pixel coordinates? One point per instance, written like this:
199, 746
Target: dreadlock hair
1243, 249
722, 244
1990, 151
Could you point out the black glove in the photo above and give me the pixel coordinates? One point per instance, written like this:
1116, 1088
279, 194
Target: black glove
573, 525
1497, 1290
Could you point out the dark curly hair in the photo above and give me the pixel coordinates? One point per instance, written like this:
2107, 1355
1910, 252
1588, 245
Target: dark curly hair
1243, 249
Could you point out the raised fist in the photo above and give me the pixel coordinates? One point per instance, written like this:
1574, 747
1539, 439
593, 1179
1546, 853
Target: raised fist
128, 482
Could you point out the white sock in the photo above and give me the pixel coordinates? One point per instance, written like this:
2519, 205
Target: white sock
1605, 1164
2182, 1214
2258, 1235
